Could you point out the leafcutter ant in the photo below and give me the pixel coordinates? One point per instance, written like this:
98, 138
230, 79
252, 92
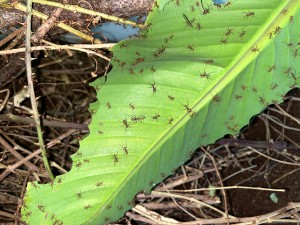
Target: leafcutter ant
79, 195
156, 117
254, 49
249, 14
227, 4
125, 149
115, 158
277, 30
229, 31
108, 105
152, 69
198, 26
78, 165
238, 97
153, 87
216, 99
170, 121
125, 123
99, 183
131, 71
295, 53
187, 108
262, 100
172, 98
131, 106
87, 206
41, 207
242, 33
205, 75
224, 41
271, 68
209, 61
191, 48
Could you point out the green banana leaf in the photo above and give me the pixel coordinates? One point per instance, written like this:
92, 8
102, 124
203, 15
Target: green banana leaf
191, 77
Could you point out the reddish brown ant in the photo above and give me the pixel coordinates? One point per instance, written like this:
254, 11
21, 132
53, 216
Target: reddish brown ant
284, 11
191, 48
115, 158
224, 41
238, 97
254, 49
205, 11
155, 117
152, 69
125, 124
78, 165
187, 108
138, 60
122, 64
295, 53
290, 45
205, 75
41, 207
99, 183
108, 105
125, 149
271, 68
270, 35
242, 33
262, 100
249, 14
124, 45
198, 26
209, 61
216, 99
153, 87
172, 98
277, 30
87, 207
79, 194
227, 4
170, 121
274, 86
131, 106
254, 89
229, 31
131, 71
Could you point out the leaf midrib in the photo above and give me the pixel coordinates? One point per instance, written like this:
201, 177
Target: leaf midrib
230, 74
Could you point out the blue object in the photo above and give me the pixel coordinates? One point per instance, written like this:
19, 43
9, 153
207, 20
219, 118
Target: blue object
108, 32
219, 2
114, 32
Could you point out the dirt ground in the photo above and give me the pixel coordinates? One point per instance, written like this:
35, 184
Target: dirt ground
268, 172
271, 161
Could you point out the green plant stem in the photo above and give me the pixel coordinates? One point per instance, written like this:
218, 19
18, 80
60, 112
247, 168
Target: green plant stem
31, 88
